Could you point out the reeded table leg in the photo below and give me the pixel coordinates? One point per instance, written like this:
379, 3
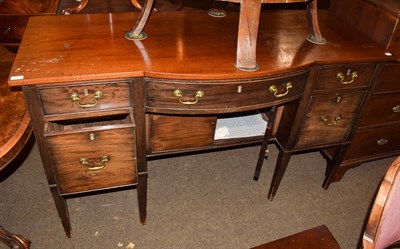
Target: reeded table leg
247, 35
315, 36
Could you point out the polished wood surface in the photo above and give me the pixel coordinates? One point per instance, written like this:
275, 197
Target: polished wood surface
14, 119
92, 47
315, 238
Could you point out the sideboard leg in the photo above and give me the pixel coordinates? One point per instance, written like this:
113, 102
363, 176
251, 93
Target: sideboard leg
315, 36
62, 209
137, 32
247, 35
142, 196
280, 168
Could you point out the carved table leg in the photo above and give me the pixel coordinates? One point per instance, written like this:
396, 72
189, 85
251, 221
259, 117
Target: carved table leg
137, 32
74, 10
247, 36
14, 241
315, 36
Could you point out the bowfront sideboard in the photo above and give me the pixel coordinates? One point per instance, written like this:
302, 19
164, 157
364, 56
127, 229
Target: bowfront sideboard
101, 104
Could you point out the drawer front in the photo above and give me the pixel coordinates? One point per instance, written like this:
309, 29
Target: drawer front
329, 119
12, 28
217, 95
82, 98
389, 79
93, 160
382, 108
183, 132
375, 142
28, 6
345, 76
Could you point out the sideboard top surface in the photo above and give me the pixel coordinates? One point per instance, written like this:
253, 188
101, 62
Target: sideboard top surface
58, 49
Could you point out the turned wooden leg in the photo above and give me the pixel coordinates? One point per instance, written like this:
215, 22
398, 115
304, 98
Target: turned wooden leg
77, 9
137, 32
280, 168
247, 35
14, 241
264, 146
315, 36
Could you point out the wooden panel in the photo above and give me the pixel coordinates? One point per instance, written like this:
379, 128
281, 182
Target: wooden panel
56, 100
315, 131
389, 79
28, 6
374, 142
382, 108
180, 132
328, 78
68, 149
219, 95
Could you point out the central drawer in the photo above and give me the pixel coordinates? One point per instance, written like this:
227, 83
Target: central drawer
164, 95
93, 157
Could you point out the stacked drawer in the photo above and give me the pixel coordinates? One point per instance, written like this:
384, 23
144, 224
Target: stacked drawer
334, 105
378, 135
14, 16
90, 133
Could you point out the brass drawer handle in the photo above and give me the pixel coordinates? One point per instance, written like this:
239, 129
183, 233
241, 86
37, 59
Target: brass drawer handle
396, 108
91, 164
382, 141
274, 90
75, 98
326, 120
178, 93
340, 76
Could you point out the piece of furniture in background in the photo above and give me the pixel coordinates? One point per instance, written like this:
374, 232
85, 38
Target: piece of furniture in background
83, 3
14, 17
14, 134
381, 231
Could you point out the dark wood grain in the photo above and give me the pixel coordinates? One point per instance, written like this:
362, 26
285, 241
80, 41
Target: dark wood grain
28, 6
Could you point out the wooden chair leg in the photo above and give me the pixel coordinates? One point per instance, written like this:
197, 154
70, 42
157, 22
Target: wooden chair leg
264, 146
137, 5
77, 9
14, 241
137, 32
315, 36
180, 5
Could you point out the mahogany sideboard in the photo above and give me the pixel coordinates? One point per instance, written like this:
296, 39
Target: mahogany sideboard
101, 104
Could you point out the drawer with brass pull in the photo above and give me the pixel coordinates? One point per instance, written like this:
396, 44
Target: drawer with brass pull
381, 109
345, 76
83, 98
376, 141
93, 157
195, 96
329, 119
